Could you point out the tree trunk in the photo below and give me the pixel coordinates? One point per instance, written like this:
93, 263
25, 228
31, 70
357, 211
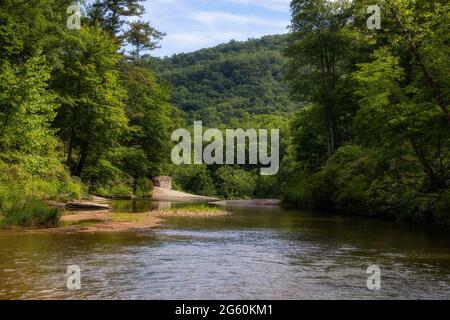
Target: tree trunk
81, 162
327, 60
83, 154
331, 127
425, 165
114, 18
435, 88
69, 153
431, 83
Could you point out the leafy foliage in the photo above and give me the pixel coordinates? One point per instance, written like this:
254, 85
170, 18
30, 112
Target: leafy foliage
230, 81
394, 161
73, 107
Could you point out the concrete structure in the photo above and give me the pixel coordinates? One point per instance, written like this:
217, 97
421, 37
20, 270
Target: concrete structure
164, 182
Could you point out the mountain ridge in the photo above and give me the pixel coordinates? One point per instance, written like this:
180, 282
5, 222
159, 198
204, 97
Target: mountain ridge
229, 81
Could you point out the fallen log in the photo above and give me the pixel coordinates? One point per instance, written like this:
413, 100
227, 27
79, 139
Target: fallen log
87, 205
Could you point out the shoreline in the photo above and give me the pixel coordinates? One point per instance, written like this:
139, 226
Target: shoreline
162, 194
106, 221
94, 214
249, 203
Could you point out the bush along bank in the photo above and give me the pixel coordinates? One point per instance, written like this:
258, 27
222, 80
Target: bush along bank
360, 181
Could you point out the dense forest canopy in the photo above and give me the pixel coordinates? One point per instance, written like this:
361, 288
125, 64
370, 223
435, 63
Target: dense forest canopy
77, 114
230, 81
363, 113
374, 137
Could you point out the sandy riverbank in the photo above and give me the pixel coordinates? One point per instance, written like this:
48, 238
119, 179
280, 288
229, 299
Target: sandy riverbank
107, 222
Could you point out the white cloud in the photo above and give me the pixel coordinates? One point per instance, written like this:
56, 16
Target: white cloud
194, 24
218, 17
274, 5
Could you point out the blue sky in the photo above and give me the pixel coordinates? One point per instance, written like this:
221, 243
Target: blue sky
194, 24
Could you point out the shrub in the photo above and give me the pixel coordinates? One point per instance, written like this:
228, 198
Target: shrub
194, 179
42, 189
316, 191
298, 192
102, 174
70, 189
353, 181
63, 189
322, 188
121, 190
442, 211
115, 191
267, 186
144, 187
17, 209
235, 182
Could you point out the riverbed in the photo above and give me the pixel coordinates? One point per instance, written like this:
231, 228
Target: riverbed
261, 252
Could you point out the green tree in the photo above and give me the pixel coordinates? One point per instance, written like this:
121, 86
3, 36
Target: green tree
143, 37
320, 41
235, 182
232, 81
421, 27
111, 14
92, 118
151, 115
26, 112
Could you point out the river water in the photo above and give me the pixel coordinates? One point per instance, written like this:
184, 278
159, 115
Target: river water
254, 253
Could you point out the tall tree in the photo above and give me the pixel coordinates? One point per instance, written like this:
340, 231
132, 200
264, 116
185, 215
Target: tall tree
92, 118
28, 46
143, 37
26, 109
111, 14
422, 27
318, 45
151, 115
404, 88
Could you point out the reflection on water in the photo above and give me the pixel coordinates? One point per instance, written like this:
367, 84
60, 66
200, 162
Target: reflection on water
139, 206
259, 253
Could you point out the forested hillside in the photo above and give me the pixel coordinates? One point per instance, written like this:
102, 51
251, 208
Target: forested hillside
230, 81
363, 114
370, 133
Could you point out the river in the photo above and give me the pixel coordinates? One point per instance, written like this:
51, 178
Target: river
254, 253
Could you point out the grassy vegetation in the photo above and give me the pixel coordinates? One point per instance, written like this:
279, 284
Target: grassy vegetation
127, 217
195, 210
18, 209
22, 195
